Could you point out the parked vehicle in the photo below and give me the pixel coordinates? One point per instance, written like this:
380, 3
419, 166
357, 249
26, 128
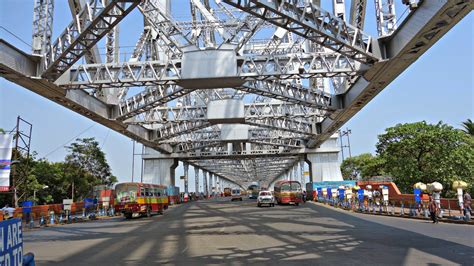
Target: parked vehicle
139, 199
236, 194
227, 192
265, 197
253, 191
173, 195
287, 192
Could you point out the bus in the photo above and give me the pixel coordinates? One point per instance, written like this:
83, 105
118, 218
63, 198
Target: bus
253, 191
287, 192
139, 199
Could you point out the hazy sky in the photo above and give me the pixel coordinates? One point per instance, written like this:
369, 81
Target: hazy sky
439, 86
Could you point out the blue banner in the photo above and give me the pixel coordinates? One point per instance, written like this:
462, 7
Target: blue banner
334, 184
26, 206
417, 193
329, 193
11, 251
341, 194
88, 203
361, 194
320, 192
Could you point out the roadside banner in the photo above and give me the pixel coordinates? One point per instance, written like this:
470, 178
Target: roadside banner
11, 245
360, 193
417, 193
6, 146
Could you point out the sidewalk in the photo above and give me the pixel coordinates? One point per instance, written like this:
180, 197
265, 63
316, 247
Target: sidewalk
395, 213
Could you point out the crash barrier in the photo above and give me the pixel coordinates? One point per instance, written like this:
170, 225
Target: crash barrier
11, 251
409, 205
44, 215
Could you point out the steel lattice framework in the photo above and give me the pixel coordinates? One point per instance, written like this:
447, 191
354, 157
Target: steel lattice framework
296, 72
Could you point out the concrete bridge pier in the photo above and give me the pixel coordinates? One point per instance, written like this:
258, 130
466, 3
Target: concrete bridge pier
324, 162
186, 177
158, 170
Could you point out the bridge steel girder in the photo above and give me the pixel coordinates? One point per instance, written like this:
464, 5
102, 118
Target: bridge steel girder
21, 69
262, 67
421, 30
74, 42
315, 24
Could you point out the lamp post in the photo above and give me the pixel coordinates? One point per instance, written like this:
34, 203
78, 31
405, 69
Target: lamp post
34, 193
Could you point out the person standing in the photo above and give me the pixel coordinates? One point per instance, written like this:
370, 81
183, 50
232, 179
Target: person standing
467, 203
433, 208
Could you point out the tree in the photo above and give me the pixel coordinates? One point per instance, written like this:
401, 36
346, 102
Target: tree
88, 160
364, 165
421, 152
468, 127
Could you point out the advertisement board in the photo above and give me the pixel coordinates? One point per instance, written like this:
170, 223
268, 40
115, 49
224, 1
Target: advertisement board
11, 245
6, 146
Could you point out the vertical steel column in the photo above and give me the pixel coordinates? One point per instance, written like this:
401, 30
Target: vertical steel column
303, 177
196, 180
186, 177
295, 173
210, 183
42, 26
204, 184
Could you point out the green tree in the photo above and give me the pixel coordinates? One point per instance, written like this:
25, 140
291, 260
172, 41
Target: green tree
421, 152
364, 165
468, 127
87, 166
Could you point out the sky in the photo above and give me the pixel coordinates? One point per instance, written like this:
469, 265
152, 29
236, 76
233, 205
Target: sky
437, 87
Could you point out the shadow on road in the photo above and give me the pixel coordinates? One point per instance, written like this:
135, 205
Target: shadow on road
240, 233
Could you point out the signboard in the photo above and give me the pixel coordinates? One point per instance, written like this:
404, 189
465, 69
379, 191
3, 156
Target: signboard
361, 193
88, 203
341, 194
26, 206
329, 192
334, 184
67, 203
6, 146
320, 192
385, 194
417, 193
11, 245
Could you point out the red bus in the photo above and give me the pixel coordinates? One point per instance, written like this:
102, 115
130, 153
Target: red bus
139, 199
288, 192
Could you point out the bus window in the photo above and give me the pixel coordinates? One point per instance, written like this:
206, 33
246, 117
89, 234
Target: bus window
147, 192
285, 187
295, 187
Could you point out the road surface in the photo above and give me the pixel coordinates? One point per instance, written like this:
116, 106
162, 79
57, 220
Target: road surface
221, 232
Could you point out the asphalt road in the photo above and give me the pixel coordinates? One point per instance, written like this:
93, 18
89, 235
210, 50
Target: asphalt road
221, 232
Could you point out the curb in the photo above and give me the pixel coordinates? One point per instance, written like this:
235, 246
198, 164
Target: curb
395, 216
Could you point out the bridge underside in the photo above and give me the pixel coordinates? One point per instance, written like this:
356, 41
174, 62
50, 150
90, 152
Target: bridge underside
245, 91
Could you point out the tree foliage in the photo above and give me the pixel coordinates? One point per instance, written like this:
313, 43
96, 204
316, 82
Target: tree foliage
421, 152
468, 127
88, 160
84, 167
362, 166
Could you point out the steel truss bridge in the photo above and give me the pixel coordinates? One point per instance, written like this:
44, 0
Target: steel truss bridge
242, 89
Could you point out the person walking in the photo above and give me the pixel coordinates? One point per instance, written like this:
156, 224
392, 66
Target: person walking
433, 208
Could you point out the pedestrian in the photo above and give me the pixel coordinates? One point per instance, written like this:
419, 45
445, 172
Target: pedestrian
433, 208
8, 212
467, 203
304, 196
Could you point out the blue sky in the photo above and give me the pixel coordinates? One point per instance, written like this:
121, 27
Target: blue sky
439, 86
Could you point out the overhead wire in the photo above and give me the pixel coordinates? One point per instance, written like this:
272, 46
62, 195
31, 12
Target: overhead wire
73, 138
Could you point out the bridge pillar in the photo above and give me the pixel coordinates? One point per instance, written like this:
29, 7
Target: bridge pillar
158, 171
324, 162
196, 180
211, 183
204, 184
302, 176
186, 177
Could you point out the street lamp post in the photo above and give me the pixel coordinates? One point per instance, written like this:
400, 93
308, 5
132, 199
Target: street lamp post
34, 193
